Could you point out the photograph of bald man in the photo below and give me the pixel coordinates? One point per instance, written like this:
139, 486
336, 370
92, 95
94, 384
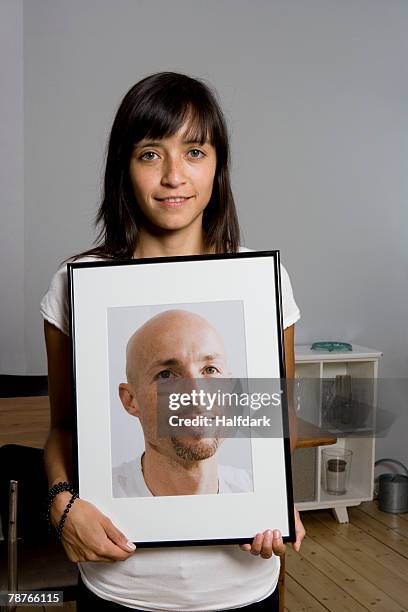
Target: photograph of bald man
173, 344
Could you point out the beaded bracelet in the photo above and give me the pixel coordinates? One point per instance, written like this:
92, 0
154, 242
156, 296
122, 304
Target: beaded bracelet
65, 514
60, 487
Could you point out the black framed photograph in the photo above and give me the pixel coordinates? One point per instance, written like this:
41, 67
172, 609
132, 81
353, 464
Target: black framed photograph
182, 430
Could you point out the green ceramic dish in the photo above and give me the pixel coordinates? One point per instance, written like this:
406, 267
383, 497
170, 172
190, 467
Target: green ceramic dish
331, 346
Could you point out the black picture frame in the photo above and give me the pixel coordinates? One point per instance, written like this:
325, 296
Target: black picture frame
98, 288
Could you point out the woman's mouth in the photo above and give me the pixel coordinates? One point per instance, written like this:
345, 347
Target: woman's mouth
173, 202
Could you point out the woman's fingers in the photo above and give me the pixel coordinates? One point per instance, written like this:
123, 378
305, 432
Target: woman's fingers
277, 543
266, 550
257, 544
266, 544
85, 556
300, 532
113, 552
118, 537
101, 549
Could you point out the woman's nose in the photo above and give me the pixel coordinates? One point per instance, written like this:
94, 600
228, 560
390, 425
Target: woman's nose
173, 173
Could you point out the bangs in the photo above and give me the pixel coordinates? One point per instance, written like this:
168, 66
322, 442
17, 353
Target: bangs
163, 117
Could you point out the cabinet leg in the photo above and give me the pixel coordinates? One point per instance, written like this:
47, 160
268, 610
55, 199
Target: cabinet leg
340, 513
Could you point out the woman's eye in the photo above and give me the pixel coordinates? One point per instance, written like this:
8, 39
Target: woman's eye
211, 370
196, 153
148, 156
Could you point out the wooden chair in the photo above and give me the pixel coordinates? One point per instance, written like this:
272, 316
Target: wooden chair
41, 561
281, 584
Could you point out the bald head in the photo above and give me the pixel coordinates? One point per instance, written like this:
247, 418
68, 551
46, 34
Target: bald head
174, 340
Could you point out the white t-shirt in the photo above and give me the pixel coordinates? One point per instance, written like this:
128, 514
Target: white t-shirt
190, 578
128, 480
54, 305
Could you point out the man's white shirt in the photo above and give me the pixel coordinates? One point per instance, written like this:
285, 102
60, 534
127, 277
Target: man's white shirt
128, 480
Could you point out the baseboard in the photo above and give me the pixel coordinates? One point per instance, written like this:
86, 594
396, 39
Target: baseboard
23, 386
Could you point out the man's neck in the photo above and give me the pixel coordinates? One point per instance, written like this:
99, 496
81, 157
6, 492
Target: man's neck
165, 476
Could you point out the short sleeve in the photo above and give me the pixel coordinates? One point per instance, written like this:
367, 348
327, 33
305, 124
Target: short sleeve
54, 305
291, 312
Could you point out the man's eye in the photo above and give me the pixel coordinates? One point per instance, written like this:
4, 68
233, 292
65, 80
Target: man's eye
164, 374
196, 153
148, 156
211, 370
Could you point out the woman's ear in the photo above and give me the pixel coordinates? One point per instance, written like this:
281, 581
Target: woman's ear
128, 399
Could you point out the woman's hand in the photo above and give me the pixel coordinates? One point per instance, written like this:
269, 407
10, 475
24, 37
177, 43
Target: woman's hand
270, 542
89, 535
266, 544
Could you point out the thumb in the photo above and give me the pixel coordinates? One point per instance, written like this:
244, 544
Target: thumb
118, 537
277, 543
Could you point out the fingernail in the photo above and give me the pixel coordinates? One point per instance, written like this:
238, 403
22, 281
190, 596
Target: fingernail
131, 545
269, 532
276, 534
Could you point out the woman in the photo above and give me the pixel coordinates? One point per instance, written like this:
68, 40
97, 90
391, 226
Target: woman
166, 192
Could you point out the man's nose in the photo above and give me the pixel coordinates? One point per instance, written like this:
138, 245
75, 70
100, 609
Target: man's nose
173, 173
192, 373
193, 381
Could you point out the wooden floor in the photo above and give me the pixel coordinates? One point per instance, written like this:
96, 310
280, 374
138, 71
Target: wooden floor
24, 422
357, 566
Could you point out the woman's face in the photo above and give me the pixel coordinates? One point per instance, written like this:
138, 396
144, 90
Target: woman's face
172, 180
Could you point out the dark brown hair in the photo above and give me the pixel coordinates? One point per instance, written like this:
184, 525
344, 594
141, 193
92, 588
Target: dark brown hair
156, 108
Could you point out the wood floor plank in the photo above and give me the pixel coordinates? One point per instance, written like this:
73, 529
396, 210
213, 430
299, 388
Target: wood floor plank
381, 532
320, 586
297, 599
24, 420
386, 518
363, 541
362, 590
25, 403
360, 561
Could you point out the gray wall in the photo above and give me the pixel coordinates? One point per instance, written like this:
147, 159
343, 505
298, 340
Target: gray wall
316, 95
12, 353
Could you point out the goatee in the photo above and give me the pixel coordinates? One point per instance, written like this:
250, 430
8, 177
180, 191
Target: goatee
197, 451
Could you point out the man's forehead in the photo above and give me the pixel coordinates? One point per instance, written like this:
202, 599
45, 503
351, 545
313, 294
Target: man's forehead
174, 336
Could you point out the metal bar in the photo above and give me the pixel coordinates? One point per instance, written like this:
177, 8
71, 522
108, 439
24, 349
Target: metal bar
12, 541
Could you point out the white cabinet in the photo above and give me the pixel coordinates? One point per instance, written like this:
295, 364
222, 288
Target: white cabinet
314, 392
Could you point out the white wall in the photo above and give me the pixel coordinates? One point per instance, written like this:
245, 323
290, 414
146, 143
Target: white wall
12, 354
316, 95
